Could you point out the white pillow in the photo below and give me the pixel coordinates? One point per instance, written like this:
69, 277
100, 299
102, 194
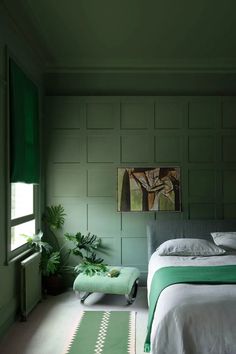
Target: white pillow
189, 247
225, 239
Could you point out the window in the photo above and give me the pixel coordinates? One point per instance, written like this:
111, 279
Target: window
23, 160
22, 213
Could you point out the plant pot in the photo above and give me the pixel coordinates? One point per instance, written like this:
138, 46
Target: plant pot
53, 284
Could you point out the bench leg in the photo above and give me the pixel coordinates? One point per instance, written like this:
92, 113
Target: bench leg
132, 295
84, 297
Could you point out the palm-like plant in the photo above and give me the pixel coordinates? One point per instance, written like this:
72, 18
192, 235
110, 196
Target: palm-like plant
54, 261
50, 260
54, 216
85, 247
91, 265
50, 263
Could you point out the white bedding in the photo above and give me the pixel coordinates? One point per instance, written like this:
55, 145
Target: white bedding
194, 319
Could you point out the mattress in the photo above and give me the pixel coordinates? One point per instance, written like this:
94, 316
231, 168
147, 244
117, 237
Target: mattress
194, 318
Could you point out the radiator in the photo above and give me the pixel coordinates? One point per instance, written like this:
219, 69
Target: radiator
31, 282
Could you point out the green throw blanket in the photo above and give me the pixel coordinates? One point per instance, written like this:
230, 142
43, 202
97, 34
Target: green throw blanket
185, 274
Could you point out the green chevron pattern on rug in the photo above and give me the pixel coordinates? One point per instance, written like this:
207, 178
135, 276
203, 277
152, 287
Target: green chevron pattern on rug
104, 332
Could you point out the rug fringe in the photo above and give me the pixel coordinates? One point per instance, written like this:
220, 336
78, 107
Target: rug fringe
131, 335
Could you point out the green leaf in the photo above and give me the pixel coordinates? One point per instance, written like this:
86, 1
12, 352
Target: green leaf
83, 244
91, 268
35, 242
54, 216
50, 263
77, 253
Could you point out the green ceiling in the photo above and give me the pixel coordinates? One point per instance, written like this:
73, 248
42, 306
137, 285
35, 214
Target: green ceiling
130, 34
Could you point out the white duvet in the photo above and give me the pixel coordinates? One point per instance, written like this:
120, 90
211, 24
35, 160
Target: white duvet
194, 319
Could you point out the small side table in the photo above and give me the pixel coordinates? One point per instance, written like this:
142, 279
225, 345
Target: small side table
125, 284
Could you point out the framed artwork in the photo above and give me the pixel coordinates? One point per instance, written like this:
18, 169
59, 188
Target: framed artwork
148, 189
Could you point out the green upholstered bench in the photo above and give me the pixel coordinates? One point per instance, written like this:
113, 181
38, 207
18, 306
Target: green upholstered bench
125, 284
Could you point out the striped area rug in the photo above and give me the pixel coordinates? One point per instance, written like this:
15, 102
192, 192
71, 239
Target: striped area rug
104, 332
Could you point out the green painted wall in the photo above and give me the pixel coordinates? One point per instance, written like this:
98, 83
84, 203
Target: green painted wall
9, 274
89, 137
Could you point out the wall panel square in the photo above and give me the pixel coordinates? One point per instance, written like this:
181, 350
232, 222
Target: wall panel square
134, 224
101, 182
101, 148
203, 115
168, 148
134, 251
64, 146
201, 149
67, 181
169, 114
136, 115
229, 148
100, 115
76, 216
202, 211
229, 114
137, 148
64, 112
229, 211
103, 219
229, 190
112, 254
201, 185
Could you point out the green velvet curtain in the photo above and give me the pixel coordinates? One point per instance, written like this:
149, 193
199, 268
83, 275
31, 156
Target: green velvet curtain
24, 127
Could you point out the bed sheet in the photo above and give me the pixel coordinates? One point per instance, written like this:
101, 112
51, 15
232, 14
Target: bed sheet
194, 319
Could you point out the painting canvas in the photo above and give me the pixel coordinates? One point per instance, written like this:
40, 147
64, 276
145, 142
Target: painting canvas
149, 189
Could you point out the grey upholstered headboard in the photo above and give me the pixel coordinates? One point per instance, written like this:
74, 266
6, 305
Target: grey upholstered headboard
160, 231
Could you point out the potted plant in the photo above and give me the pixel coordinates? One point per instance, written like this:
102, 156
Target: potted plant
52, 258
50, 264
53, 262
51, 270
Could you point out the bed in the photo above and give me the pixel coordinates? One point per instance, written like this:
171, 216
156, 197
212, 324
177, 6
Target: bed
192, 318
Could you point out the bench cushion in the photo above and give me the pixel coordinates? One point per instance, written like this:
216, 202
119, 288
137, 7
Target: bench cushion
104, 284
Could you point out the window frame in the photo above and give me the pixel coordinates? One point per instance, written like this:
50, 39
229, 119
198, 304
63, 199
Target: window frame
13, 255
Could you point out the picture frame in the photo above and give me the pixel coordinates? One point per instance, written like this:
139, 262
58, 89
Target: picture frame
155, 188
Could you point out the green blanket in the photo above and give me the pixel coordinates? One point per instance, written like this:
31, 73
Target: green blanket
185, 274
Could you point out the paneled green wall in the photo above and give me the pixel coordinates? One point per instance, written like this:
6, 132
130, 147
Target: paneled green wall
89, 137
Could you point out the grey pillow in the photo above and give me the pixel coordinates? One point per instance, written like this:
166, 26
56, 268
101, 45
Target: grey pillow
189, 247
226, 240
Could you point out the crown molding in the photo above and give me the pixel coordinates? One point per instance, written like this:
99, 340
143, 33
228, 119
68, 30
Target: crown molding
90, 70
178, 66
